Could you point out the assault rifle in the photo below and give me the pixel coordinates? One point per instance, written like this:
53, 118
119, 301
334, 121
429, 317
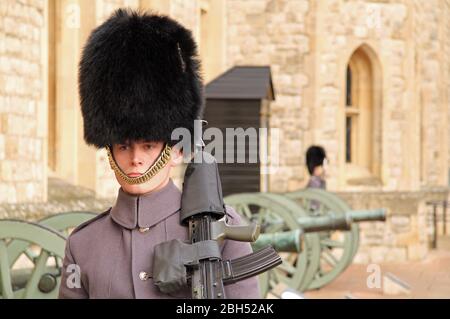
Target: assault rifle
203, 209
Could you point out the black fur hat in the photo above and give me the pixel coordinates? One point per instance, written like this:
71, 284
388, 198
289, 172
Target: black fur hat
315, 156
139, 78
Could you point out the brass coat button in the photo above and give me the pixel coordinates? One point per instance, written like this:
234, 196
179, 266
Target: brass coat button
143, 229
143, 276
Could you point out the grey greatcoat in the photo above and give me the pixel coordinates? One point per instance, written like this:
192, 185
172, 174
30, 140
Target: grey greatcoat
113, 252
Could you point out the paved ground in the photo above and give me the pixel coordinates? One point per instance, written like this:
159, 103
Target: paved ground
427, 279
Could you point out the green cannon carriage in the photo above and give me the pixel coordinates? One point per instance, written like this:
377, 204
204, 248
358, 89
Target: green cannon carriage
328, 245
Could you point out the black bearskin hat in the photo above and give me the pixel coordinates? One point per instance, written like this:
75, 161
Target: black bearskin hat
315, 156
139, 78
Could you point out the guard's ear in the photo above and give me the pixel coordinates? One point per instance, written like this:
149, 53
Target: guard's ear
176, 156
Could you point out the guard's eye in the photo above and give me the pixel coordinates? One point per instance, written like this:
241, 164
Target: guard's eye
123, 147
148, 146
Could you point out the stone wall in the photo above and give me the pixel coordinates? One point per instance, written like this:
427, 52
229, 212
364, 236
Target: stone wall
431, 61
187, 13
275, 33
382, 28
446, 53
404, 38
22, 128
406, 233
104, 8
308, 45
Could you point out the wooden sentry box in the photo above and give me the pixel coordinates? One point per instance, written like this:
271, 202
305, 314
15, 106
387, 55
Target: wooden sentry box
240, 98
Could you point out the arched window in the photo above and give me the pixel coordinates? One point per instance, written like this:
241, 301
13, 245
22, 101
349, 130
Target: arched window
362, 114
348, 118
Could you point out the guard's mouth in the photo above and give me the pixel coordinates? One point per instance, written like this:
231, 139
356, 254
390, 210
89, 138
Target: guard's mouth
134, 174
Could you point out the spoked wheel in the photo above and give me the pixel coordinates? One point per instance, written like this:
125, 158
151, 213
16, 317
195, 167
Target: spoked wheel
275, 215
43, 280
337, 247
63, 223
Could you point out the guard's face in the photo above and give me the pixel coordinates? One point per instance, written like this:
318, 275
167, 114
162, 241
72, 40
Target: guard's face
135, 157
321, 170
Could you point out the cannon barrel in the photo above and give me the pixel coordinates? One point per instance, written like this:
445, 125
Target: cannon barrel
325, 223
357, 216
288, 241
291, 241
333, 221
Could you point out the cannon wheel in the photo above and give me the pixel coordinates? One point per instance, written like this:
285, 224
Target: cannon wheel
313, 251
337, 247
62, 222
51, 242
274, 212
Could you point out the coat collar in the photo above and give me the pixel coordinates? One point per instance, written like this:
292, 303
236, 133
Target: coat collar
131, 211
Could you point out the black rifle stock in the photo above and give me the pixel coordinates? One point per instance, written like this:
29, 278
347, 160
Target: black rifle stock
202, 208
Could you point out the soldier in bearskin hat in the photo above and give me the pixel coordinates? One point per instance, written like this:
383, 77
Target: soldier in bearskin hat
315, 159
139, 79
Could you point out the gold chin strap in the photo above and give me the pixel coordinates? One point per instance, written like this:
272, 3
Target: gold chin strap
162, 160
